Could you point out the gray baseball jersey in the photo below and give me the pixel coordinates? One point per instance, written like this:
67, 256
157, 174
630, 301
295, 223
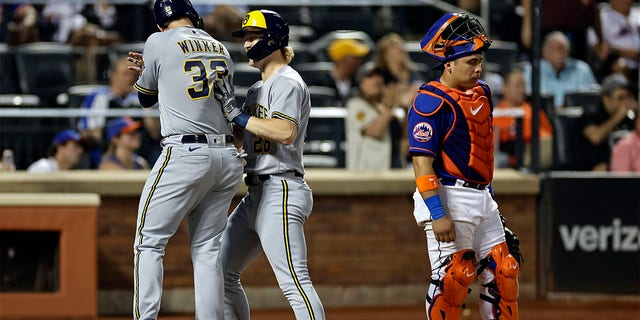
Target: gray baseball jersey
197, 173
185, 56
270, 218
284, 96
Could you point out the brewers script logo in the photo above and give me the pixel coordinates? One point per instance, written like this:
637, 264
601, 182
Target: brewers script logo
422, 132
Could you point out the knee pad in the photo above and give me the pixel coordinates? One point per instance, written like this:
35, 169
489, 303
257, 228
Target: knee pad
504, 287
453, 287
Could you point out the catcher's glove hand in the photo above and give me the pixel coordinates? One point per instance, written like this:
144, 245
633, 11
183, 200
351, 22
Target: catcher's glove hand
512, 242
223, 92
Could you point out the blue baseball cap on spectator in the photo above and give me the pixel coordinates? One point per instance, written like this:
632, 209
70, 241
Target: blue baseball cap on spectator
63, 137
121, 125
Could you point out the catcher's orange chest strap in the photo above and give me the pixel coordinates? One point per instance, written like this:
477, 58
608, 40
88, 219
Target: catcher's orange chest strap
473, 102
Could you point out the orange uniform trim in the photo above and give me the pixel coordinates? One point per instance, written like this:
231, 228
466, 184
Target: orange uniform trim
427, 183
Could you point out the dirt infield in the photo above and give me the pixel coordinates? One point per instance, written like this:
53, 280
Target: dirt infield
529, 310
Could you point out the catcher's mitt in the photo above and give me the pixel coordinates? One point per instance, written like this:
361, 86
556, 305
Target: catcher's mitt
512, 242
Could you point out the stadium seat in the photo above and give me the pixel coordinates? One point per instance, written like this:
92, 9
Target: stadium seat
322, 96
315, 73
568, 142
415, 52
236, 51
502, 56
241, 94
116, 51
79, 92
8, 78
546, 105
245, 75
589, 100
45, 69
301, 53
324, 146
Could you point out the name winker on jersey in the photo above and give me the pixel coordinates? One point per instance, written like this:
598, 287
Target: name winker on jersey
199, 45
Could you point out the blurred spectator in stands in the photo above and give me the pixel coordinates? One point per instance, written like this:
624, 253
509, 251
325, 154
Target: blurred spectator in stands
560, 74
65, 21
506, 20
101, 14
64, 153
68, 25
118, 95
61, 18
24, 27
402, 79
625, 155
220, 22
397, 67
620, 24
124, 141
367, 123
150, 147
571, 17
8, 161
347, 55
614, 116
493, 79
514, 95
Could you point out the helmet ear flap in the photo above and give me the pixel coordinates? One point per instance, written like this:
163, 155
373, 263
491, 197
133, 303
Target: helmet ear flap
275, 37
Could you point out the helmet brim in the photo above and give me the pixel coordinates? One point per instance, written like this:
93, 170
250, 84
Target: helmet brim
240, 33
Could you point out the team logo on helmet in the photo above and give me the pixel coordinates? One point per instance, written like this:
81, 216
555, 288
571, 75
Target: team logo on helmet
422, 132
245, 20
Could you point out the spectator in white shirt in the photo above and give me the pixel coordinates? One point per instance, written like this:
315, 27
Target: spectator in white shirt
65, 153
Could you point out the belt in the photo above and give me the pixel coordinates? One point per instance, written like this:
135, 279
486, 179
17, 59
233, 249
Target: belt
256, 179
462, 183
211, 139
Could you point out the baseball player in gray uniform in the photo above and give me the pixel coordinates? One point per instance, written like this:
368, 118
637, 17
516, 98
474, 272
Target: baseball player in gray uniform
199, 169
270, 218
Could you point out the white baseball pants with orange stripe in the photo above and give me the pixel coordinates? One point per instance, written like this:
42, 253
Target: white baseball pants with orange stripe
478, 227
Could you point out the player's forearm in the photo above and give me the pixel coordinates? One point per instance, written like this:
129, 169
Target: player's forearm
278, 130
596, 134
627, 53
423, 166
379, 127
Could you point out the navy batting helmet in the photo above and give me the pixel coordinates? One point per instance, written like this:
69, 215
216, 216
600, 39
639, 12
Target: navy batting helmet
167, 10
454, 36
274, 27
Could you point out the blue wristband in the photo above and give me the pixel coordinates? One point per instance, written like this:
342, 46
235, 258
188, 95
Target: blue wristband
435, 207
242, 120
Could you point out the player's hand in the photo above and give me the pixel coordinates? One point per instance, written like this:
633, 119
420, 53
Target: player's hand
443, 229
223, 92
138, 64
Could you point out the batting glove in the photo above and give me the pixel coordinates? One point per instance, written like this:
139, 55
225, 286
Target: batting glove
223, 92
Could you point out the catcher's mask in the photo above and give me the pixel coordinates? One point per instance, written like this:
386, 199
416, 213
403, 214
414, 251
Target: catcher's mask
274, 28
453, 36
166, 10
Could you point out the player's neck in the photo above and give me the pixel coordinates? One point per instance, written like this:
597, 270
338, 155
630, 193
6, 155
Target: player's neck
182, 22
271, 68
449, 82
452, 83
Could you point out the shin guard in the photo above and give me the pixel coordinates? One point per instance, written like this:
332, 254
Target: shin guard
453, 288
502, 291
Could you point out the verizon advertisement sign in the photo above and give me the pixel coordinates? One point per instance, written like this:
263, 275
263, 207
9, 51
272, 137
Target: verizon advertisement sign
613, 237
593, 224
